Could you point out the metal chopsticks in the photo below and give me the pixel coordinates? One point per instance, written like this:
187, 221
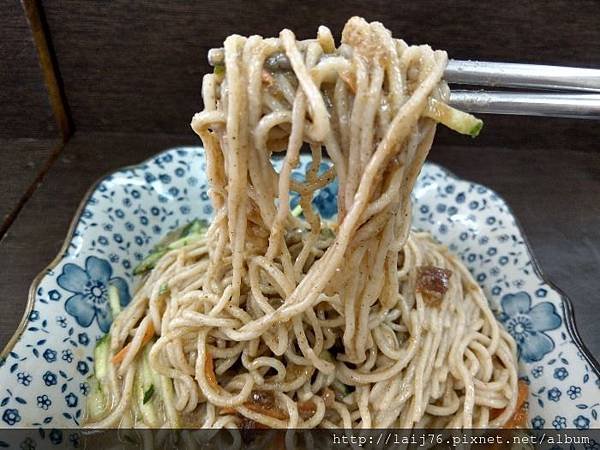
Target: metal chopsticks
561, 91
541, 77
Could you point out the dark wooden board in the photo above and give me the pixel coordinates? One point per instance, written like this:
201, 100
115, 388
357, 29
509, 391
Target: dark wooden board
554, 197
21, 161
137, 66
26, 110
37, 234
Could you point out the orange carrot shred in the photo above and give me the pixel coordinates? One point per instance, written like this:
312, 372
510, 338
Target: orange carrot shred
228, 410
519, 417
209, 371
120, 355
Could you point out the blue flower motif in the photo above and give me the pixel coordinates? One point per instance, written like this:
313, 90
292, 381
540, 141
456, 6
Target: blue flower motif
574, 392
554, 394
559, 423
49, 378
67, 355
83, 338
537, 422
43, 401
82, 367
84, 388
24, 378
326, 201
61, 321
527, 325
537, 371
581, 423
49, 355
11, 416
71, 400
54, 295
560, 373
90, 289
34, 315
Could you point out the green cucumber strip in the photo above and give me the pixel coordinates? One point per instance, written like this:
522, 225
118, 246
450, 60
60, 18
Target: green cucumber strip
164, 288
186, 240
149, 262
148, 394
101, 353
297, 211
341, 387
96, 401
114, 300
453, 118
194, 227
144, 402
190, 233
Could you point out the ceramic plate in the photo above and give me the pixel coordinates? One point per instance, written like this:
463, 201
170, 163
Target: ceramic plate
44, 369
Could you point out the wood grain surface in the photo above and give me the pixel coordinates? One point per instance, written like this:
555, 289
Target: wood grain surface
138, 66
26, 111
22, 161
555, 200
36, 236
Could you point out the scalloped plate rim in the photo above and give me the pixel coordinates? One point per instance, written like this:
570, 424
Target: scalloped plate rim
566, 302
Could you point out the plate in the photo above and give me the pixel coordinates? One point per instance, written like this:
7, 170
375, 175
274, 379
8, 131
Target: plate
44, 368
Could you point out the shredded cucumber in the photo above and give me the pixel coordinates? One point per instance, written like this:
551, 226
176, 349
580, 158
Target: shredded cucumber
194, 227
101, 353
453, 118
190, 233
149, 261
327, 356
164, 288
114, 300
297, 211
340, 387
144, 390
96, 403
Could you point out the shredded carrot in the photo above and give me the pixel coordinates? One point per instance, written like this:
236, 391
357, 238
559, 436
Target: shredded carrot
120, 355
274, 412
228, 410
348, 78
209, 371
519, 417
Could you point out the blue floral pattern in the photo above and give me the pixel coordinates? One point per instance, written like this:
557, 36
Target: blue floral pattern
43, 377
527, 324
90, 289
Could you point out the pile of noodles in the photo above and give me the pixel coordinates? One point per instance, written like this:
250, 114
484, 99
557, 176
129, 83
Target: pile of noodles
282, 321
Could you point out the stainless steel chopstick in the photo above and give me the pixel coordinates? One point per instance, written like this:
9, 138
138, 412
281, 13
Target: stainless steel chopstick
579, 106
493, 74
536, 76
511, 75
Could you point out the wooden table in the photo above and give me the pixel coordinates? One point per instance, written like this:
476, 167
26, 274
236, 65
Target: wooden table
129, 93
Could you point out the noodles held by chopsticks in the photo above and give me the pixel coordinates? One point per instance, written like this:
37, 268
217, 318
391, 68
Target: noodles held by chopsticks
281, 321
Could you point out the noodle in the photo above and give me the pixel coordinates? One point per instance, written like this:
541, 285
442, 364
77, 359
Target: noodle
290, 322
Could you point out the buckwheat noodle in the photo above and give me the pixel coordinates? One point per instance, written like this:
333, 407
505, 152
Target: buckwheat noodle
284, 321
